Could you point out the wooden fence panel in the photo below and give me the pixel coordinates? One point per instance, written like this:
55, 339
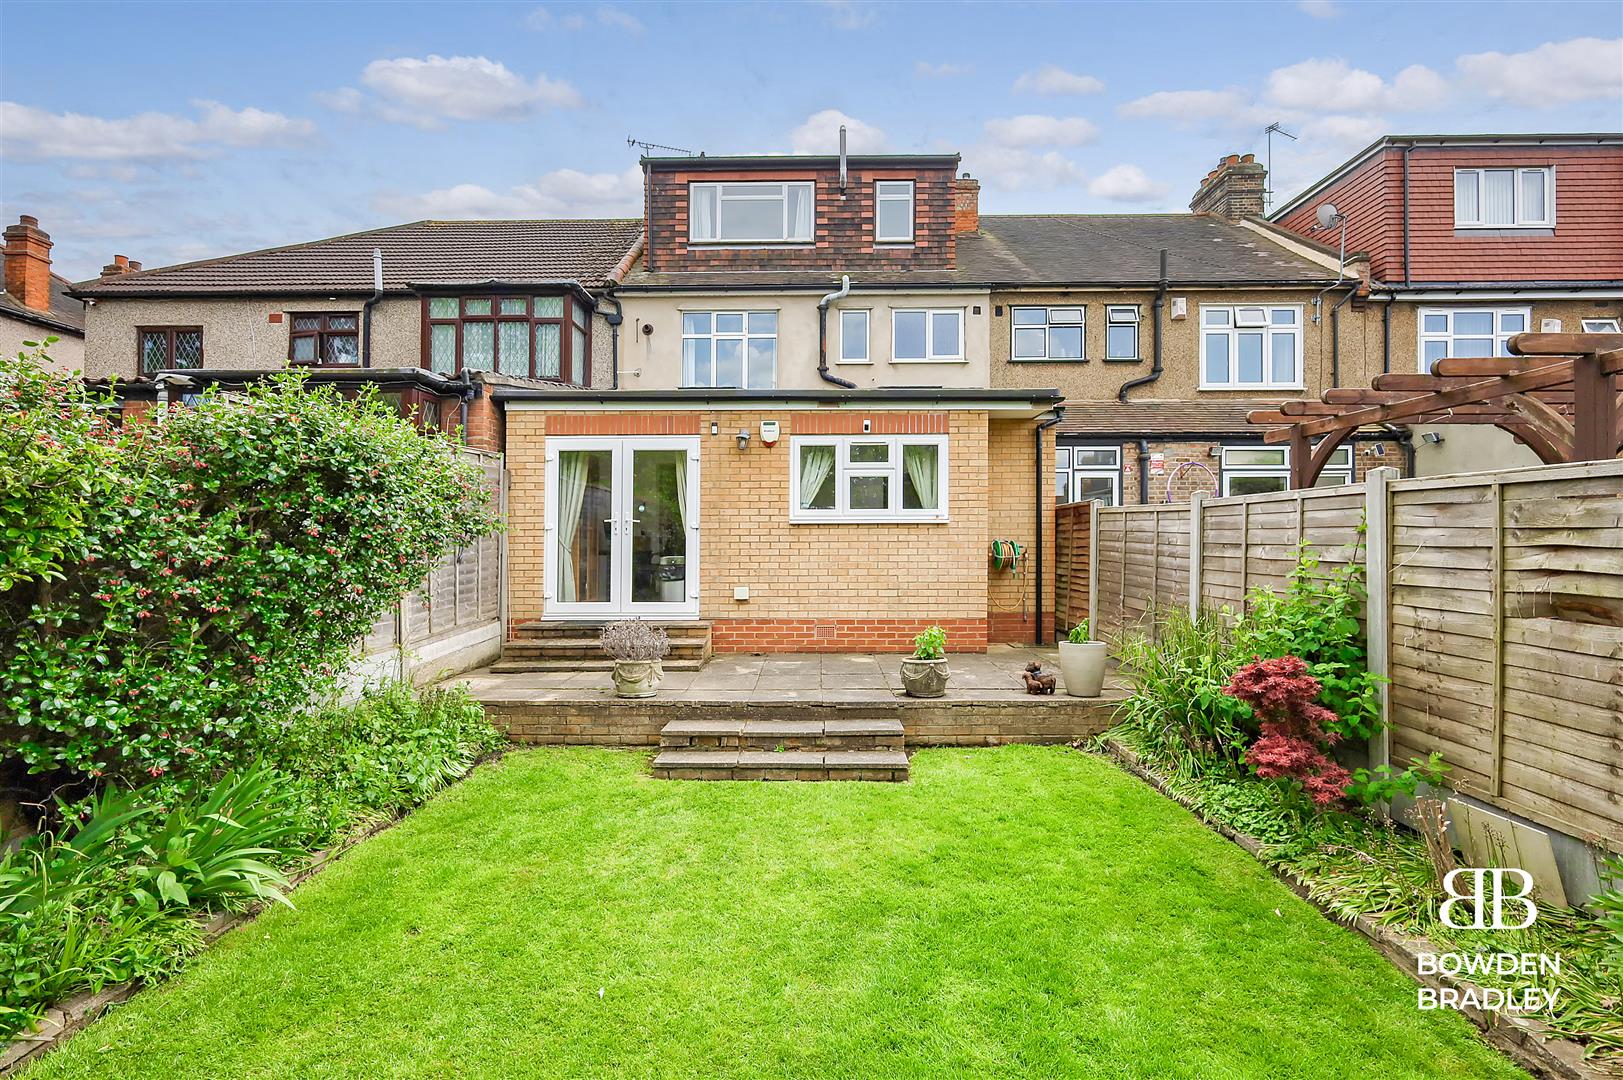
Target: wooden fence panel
1072, 554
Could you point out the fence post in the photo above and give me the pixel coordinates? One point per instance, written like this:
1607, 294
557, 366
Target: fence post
1378, 605
1196, 501
1093, 568
1497, 776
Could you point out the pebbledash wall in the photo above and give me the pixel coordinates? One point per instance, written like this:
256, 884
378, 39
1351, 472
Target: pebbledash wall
818, 587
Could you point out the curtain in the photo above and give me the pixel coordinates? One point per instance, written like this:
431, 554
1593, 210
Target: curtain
571, 498
682, 490
702, 205
816, 465
800, 227
923, 466
1498, 197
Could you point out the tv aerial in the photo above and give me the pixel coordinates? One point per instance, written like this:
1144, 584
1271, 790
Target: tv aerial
1268, 133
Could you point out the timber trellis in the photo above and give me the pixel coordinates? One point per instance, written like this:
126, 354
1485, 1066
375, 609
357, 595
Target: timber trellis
1495, 611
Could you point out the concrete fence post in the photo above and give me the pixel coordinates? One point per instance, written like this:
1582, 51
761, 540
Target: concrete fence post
1378, 606
1196, 503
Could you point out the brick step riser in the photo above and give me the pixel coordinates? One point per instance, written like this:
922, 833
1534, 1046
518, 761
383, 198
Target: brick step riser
523, 633
541, 651
793, 742
511, 665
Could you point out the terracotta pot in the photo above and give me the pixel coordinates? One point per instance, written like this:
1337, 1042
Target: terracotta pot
924, 678
637, 678
1083, 666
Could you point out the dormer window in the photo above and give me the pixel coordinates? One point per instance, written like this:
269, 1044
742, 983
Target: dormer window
893, 211
750, 213
1504, 198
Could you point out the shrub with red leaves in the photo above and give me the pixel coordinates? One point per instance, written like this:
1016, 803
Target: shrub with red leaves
1295, 732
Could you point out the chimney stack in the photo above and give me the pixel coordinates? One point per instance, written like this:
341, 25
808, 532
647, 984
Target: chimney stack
1233, 189
28, 263
966, 205
119, 265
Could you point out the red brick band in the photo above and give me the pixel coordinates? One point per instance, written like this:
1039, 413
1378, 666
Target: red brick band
622, 423
840, 635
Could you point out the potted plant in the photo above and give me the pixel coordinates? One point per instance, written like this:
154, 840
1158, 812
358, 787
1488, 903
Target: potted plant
924, 674
638, 649
1082, 662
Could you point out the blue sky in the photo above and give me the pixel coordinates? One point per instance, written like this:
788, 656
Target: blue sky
168, 132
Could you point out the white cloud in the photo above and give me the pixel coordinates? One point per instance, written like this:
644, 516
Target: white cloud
1186, 105
544, 19
345, 99
624, 20
1037, 130
926, 70
1319, 9
425, 91
27, 132
1014, 169
820, 134
560, 193
1555, 73
1052, 81
1126, 183
1332, 84
850, 14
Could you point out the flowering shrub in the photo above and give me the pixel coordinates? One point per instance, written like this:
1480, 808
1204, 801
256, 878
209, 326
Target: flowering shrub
1296, 730
215, 571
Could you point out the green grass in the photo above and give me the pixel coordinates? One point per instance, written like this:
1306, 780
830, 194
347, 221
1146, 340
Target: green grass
1016, 912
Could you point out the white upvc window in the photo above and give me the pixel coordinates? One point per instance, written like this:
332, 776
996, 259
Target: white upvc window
751, 213
1251, 346
1475, 331
1600, 326
1253, 470
1504, 198
893, 211
1088, 473
854, 336
1121, 332
1042, 333
927, 335
737, 349
868, 478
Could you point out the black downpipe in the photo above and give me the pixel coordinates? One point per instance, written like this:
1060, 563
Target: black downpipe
1335, 337
1045, 484
1386, 337
822, 351
1143, 472
614, 320
1155, 309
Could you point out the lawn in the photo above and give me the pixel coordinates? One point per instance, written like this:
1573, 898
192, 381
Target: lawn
1016, 912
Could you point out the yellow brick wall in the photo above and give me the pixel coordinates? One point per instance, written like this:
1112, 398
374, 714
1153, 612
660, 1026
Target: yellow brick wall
1011, 597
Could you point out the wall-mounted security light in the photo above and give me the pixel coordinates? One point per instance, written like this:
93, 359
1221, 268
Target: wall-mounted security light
1433, 437
743, 439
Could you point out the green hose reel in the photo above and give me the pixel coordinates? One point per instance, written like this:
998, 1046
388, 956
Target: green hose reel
1006, 555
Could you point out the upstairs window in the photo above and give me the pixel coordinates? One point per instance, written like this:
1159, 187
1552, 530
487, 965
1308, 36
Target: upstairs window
167, 348
522, 336
730, 349
1471, 332
750, 213
1247, 347
1600, 326
869, 478
893, 211
925, 336
1048, 333
1504, 198
330, 338
853, 336
1121, 333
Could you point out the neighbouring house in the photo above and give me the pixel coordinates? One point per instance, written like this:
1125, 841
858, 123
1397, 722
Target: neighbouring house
425, 311
804, 450
36, 303
1472, 239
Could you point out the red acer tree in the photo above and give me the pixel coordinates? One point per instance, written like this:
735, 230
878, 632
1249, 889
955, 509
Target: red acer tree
1296, 729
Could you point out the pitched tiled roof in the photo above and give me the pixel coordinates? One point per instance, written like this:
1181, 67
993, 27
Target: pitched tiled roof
583, 250
1148, 419
67, 315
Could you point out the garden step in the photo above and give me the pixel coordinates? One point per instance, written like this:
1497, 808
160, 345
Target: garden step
517, 665
810, 733
591, 648
726, 764
540, 631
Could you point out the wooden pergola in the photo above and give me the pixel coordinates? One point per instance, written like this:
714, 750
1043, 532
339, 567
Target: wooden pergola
1560, 394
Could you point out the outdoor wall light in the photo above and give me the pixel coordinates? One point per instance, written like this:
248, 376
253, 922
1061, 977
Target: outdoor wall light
744, 439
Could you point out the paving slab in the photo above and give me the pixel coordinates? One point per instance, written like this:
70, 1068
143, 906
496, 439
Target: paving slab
781, 759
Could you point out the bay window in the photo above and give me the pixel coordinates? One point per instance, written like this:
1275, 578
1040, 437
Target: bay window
524, 336
730, 349
1472, 332
868, 478
927, 335
750, 213
1048, 333
1504, 198
1246, 347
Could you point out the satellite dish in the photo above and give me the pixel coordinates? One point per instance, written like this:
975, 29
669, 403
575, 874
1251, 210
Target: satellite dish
1329, 216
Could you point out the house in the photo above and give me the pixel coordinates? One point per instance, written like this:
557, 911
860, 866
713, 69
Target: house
1472, 239
36, 303
425, 311
804, 450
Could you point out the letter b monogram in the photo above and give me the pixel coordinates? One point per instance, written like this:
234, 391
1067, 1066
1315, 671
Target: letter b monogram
1485, 900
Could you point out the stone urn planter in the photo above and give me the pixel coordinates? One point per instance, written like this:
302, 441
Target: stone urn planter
925, 674
1082, 663
638, 650
637, 678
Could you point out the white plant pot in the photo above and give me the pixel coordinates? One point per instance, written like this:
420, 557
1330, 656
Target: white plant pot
924, 678
637, 678
1082, 665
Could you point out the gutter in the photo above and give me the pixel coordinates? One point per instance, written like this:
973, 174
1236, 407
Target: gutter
901, 284
908, 396
1155, 365
822, 328
1044, 484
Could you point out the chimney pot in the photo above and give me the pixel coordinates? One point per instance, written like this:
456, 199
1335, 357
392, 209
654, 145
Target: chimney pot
1232, 190
28, 263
